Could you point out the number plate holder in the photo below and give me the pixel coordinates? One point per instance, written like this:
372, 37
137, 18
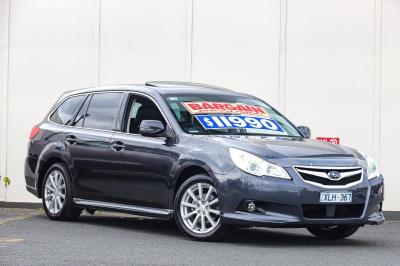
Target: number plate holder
336, 197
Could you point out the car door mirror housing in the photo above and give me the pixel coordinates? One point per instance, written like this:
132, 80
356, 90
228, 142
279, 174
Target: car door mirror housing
151, 128
305, 131
169, 133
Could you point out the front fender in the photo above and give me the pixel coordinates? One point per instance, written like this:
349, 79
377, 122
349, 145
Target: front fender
214, 158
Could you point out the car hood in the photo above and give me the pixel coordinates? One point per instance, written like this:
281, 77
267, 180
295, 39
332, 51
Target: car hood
284, 147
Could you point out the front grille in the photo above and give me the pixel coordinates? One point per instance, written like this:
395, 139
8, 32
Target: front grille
318, 211
319, 176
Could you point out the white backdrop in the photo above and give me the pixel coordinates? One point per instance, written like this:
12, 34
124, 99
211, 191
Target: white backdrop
330, 64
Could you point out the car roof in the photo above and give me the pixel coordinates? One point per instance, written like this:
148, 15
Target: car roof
161, 87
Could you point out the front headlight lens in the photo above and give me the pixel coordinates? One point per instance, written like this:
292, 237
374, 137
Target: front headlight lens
254, 165
372, 166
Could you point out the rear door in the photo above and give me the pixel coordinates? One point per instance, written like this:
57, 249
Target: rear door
88, 143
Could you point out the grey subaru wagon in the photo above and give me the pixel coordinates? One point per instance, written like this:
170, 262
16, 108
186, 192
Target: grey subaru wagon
208, 157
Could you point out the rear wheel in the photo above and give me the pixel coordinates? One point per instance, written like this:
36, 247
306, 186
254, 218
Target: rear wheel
197, 211
57, 194
333, 232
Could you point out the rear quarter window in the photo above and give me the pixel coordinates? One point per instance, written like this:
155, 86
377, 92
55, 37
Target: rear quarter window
64, 113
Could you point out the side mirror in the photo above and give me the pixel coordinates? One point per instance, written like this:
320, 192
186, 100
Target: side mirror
305, 131
151, 128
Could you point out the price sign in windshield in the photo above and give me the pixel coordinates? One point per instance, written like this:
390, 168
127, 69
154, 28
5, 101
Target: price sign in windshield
238, 121
198, 108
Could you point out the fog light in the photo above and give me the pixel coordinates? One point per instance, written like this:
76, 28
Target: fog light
251, 206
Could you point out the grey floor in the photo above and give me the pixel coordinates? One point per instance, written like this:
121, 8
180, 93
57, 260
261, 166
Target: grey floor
27, 237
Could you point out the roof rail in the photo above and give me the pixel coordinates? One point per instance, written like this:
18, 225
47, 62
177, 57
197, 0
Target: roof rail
182, 84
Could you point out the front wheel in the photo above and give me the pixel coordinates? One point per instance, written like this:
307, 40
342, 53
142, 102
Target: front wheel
197, 211
333, 232
57, 194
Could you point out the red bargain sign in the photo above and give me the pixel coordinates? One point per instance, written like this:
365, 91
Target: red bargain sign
329, 140
224, 108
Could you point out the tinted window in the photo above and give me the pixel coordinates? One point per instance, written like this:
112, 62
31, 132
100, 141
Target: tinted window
103, 110
80, 117
66, 110
142, 109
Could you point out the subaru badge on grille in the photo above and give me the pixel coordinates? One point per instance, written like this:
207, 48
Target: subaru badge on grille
334, 175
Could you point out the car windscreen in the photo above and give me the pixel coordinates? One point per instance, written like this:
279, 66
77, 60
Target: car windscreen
227, 115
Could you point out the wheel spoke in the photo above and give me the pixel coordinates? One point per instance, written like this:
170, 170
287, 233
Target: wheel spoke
210, 219
210, 189
214, 211
52, 181
203, 223
195, 221
56, 178
62, 187
213, 202
190, 214
51, 205
59, 179
61, 196
59, 202
193, 196
187, 204
200, 188
55, 205
49, 188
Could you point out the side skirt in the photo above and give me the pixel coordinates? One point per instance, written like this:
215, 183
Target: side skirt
139, 210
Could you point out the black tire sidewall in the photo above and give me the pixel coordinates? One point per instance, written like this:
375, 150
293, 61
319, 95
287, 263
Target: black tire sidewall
210, 236
67, 208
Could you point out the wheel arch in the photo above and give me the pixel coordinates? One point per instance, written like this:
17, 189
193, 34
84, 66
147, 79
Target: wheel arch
185, 173
43, 169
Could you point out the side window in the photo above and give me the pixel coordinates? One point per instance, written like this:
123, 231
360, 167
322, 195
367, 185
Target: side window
66, 110
80, 117
103, 110
142, 109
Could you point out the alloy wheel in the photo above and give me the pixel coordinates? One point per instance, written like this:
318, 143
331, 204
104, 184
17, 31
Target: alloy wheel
199, 208
54, 192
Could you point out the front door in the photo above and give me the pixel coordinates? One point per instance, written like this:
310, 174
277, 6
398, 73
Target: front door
140, 165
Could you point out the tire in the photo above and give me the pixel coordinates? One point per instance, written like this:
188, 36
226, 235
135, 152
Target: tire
57, 194
198, 225
333, 232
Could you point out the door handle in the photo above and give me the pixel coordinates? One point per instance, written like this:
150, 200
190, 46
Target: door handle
71, 139
117, 146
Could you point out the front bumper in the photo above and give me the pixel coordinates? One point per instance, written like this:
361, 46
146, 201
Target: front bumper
294, 203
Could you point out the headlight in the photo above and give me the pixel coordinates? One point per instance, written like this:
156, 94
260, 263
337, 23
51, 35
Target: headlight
256, 166
372, 166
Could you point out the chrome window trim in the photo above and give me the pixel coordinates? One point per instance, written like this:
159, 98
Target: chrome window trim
63, 101
155, 102
73, 95
123, 207
333, 168
105, 130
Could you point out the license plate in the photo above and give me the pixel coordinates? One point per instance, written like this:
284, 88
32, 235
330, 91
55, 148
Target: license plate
335, 197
